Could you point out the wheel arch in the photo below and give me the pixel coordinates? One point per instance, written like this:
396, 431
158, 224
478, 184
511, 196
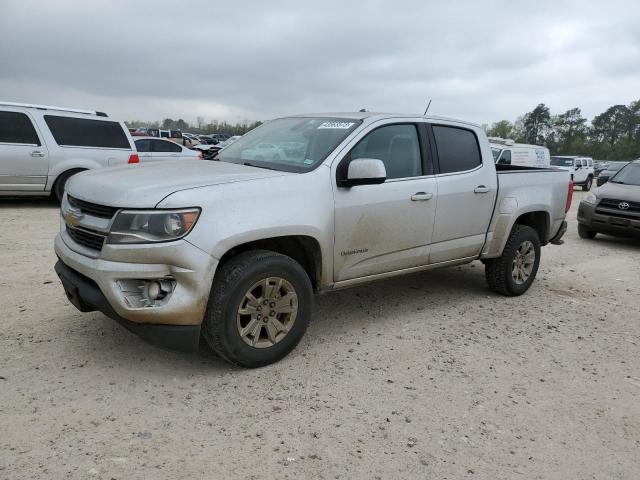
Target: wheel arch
539, 220
304, 249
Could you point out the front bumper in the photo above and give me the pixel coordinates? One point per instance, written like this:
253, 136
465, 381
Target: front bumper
85, 295
613, 224
100, 283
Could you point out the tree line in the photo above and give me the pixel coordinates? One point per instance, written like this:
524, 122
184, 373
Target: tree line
612, 135
201, 127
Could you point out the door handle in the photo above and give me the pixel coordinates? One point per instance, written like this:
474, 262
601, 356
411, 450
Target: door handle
421, 197
481, 189
37, 153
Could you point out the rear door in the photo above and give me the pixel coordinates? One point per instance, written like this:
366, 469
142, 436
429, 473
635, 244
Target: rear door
24, 159
467, 188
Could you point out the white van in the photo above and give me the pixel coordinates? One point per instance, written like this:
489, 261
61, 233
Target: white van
507, 152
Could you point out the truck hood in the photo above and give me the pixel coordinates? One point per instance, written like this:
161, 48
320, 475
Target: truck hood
145, 185
618, 191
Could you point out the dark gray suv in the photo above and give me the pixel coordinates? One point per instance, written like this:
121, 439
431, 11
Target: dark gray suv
613, 208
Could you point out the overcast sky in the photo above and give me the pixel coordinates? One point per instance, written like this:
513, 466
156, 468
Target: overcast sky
478, 60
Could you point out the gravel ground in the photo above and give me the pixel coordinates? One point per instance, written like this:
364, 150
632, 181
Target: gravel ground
424, 376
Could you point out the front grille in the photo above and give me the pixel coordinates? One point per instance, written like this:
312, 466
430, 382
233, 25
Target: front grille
610, 206
93, 209
87, 238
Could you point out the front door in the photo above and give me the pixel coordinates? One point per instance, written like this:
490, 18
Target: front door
386, 227
24, 160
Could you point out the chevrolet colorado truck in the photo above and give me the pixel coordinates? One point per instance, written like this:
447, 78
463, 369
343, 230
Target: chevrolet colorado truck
233, 249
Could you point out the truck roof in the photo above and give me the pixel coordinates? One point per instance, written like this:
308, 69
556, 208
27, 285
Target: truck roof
379, 116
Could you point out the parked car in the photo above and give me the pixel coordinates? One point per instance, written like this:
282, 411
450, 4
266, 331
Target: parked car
41, 146
507, 152
614, 208
611, 170
138, 132
190, 139
155, 149
599, 166
368, 200
581, 169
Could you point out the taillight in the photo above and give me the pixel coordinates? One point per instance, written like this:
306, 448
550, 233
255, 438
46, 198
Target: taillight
133, 158
569, 196
200, 157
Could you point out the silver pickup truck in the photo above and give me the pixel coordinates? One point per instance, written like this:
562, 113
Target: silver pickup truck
232, 250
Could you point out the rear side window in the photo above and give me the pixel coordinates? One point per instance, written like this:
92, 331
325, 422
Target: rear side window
17, 128
84, 132
457, 148
165, 146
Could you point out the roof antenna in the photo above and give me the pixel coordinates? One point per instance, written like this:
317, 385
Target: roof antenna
427, 109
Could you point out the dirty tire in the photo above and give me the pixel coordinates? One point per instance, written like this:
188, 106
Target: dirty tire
61, 183
498, 271
584, 232
230, 285
587, 186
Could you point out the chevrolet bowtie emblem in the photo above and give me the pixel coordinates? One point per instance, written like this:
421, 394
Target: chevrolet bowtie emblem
72, 216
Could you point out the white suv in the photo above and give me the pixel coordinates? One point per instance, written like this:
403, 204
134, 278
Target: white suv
42, 146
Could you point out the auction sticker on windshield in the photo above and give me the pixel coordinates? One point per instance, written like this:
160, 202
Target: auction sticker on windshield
338, 125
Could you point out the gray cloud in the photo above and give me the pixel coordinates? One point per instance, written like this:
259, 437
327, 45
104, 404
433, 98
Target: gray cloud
481, 61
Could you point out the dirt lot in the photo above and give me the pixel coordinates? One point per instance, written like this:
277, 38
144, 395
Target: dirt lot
426, 376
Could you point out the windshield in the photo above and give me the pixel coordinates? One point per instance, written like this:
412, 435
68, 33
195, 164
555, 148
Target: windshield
629, 175
561, 161
289, 144
615, 166
496, 153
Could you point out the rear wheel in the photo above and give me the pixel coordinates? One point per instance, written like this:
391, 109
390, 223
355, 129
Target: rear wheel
587, 186
513, 273
61, 183
259, 308
586, 233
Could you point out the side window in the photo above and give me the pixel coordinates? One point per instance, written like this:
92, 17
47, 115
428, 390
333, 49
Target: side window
16, 127
160, 146
84, 132
457, 148
397, 146
174, 147
505, 159
143, 146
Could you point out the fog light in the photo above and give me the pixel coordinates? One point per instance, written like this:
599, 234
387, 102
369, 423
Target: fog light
153, 291
146, 293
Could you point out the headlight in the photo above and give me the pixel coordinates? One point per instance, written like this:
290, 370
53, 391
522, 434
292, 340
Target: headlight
150, 226
591, 198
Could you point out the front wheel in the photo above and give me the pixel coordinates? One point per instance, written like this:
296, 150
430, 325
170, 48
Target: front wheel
259, 308
513, 273
587, 186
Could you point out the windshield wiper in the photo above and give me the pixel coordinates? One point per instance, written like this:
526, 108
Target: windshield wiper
617, 181
248, 164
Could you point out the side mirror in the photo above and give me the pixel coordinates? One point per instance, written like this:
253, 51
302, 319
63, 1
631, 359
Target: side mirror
578, 167
365, 171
